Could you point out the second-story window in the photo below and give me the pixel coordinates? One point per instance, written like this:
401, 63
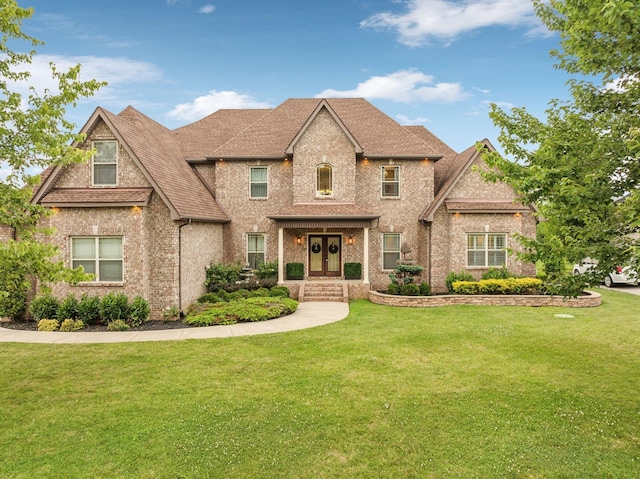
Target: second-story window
258, 182
104, 163
324, 180
391, 181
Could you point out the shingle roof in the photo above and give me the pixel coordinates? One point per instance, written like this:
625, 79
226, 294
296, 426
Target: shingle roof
327, 211
86, 197
475, 205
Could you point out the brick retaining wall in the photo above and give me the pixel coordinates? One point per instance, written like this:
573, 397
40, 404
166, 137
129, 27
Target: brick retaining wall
589, 300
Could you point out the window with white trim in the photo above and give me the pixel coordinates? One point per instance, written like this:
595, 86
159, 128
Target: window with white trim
255, 250
100, 256
258, 182
324, 180
391, 181
105, 163
486, 249
390, 250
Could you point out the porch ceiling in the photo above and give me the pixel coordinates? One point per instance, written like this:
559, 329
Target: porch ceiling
314, 215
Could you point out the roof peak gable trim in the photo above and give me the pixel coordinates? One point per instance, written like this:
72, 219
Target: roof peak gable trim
323, 104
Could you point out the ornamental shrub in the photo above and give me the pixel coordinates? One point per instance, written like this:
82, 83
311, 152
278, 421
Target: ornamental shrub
117, 325
44, 307
71, 325
410, 289
68, 308
139, 311
498, 286
295, 271
267, 270
497, 273
89, 309
453, 277
279, 292
465, 287
209, 298
48, 325
352, 270
219, 274
393, 288
13, 304
260, 292
114, 306
425, 289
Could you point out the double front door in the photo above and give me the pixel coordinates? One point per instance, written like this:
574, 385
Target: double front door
325, 255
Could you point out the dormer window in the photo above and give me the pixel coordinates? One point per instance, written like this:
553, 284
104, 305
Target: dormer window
324, 180
104, 163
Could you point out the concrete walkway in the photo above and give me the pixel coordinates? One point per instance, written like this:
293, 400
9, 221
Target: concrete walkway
308, 315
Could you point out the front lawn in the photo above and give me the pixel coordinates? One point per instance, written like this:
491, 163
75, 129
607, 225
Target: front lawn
461, 391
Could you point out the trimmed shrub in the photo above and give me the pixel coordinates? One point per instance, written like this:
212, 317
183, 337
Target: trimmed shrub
69, 325
48, 325
410, 289
295, 271
425, 289
68, 308
114, 306
466, 287
248, 310
279, 292
393, 288
497, 273
453, 277
260, 292
498, 286
235, 296
267, 270
217, 275
352, 270
209, 298
14, 304
89, 309
117, 325
139, 311
44, 307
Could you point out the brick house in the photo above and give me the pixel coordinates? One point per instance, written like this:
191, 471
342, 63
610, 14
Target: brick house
320, 182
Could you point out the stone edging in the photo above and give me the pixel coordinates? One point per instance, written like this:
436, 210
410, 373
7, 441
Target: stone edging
589, 300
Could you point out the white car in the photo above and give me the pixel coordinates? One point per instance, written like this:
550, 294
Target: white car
620, 275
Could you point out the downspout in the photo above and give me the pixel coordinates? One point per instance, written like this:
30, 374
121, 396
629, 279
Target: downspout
180, 264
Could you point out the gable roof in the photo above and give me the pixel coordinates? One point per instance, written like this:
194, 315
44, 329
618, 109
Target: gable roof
158, 155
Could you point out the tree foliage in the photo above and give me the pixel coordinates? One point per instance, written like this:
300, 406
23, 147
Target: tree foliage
581, 166
34, 135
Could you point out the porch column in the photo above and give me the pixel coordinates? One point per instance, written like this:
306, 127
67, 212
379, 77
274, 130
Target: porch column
365, 262
280, 255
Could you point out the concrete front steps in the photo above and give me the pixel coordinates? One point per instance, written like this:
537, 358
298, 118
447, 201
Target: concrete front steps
321, 291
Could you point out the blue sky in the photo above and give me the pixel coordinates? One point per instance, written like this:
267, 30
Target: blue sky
431, 62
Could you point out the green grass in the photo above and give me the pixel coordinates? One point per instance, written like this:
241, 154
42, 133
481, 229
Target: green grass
469, 392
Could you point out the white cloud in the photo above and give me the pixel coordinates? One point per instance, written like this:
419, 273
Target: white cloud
402, 86
446, 20
405, 120
207, 9
214, 100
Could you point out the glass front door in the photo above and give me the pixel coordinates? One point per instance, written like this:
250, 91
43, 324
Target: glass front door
325, 255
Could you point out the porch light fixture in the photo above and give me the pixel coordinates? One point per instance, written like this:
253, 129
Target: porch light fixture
518, 214
55, 210
299, 239
136, 209
365, 161
351, 239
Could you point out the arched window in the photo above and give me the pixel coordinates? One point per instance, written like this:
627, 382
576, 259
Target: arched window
324, 180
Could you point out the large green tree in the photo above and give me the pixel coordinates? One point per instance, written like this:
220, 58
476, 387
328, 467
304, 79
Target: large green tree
33, 135
581, 165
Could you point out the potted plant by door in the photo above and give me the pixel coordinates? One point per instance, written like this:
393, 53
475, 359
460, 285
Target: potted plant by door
295, 271
352, 271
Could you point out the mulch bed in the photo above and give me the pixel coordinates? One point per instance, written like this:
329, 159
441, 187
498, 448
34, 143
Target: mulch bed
153, 325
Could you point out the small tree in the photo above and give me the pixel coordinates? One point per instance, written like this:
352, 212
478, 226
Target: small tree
33, 135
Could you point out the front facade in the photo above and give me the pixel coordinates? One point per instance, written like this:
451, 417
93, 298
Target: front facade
322, 182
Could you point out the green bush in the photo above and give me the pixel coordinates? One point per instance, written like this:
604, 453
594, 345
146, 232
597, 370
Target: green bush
117, 325
466, 287
48, 325
295, 271
68, 308
235, 296
71, 325
410, 289
89, 309
114, 306
497, 273
209, 298
425, 289
393, 288
352, 270
260, 292
453, 277
280, 291
13, 304
139, 311
44, 307
220, 274
244, 293
267, 270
